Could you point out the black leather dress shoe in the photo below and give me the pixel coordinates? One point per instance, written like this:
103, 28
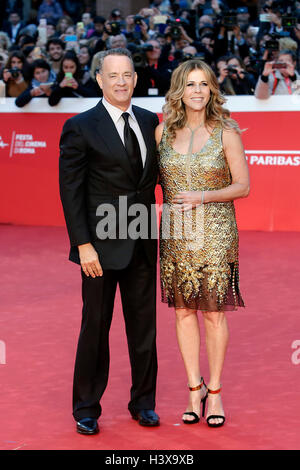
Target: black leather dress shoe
87, 426
146, 417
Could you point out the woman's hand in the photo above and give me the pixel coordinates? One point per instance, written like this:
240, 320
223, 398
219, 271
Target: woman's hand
187, 200
6, 75
36, 91
65, 82
241, 72
73, 83
69, 82
46, 89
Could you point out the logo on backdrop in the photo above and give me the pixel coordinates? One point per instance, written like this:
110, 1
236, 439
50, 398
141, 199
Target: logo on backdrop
273, 157
22, 144
2, 143
25, 144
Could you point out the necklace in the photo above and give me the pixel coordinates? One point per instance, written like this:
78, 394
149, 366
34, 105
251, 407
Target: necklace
192, 136
196, 128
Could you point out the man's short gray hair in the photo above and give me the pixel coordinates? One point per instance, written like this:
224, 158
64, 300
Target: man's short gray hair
117, 51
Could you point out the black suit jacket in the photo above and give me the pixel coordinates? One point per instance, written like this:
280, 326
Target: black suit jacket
94, 169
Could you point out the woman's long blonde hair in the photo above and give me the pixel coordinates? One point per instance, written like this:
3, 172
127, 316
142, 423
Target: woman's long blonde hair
174, 109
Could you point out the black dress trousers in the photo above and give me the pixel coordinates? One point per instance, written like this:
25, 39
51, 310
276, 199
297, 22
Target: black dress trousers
137, 283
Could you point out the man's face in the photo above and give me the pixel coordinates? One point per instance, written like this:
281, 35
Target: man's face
155, 54
118, 41
86, 18
99, 27
14, 18
55, 52
117, 80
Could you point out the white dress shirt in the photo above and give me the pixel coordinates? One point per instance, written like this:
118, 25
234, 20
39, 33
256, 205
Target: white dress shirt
116, 115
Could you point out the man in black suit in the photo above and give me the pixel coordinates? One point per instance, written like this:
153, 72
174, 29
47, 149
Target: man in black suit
14, 25
108, 164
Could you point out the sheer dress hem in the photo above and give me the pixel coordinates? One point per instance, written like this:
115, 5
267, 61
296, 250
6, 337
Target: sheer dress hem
208, 296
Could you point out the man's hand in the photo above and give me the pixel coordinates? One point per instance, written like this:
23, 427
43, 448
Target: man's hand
89, 260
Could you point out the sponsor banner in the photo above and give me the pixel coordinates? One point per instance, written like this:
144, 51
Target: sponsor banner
29, 151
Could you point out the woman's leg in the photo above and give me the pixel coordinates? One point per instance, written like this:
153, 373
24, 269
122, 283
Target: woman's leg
217, 335
188, 337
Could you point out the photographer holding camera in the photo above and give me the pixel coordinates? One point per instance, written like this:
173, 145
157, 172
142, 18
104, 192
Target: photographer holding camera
13, 75
136, 28
154, 70
233, 77
278, 76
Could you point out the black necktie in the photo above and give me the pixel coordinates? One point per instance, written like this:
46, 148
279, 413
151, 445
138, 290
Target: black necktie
132, 148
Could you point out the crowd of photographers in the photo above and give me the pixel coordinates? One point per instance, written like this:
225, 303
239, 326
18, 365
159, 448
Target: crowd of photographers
53, 54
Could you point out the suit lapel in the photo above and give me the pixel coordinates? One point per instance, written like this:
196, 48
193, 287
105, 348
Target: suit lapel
109, 134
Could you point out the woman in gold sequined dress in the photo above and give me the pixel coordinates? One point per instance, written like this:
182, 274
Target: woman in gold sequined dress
202, 170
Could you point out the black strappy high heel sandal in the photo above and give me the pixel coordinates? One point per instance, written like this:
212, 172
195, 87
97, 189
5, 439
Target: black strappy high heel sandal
203, 400
210, 417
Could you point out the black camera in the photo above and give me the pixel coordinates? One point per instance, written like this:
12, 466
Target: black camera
138, 54
181, 56
272, 44
232, 70
175, 31
138, 20
288, 21
15, 72
230, 19
115, 28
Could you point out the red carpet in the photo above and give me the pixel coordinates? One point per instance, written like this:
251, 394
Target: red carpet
39, 326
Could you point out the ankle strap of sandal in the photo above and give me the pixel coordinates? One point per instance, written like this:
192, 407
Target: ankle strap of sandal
194, 389
214, 391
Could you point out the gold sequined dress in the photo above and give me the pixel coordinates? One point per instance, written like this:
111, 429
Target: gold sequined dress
199, 259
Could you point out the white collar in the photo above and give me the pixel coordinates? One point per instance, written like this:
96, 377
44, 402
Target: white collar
115, 113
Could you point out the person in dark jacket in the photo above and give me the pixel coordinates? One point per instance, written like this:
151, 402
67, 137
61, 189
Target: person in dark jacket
42, 79
69, 81
154, 76
234, 78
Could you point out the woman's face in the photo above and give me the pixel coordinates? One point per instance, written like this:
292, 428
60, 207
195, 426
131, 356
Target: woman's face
41, 75
83, 56
197, 91
69, 66
16, 62
63, 25
30, 58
